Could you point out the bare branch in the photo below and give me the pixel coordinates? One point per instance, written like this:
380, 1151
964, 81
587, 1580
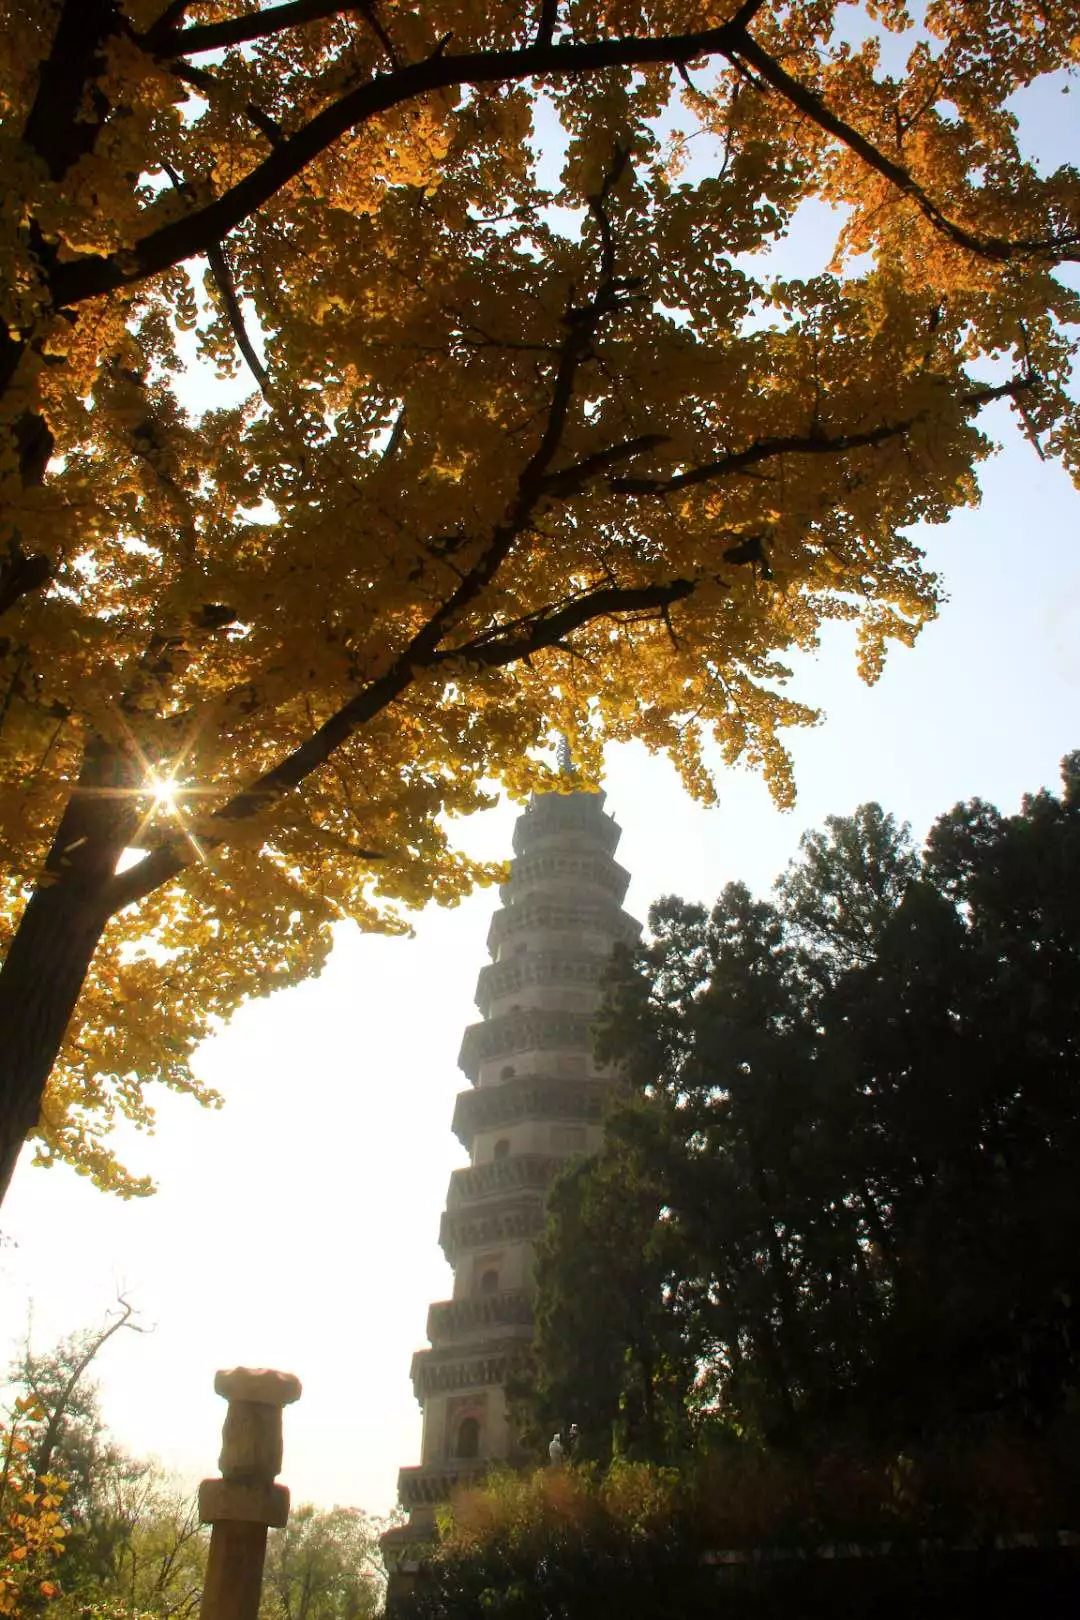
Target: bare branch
55, 1417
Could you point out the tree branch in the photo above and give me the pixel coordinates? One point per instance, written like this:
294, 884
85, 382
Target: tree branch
806, 444
168, 42
219, 269
397, 434
20, 575
567, 480
620, 157
493, 648
210, 87
807, 101
55, 1417
545, 27
746, 13
88, 277
422, 651
369, 12
170, 18
554, 614
168, 861
181, 239
54, 128
548, 630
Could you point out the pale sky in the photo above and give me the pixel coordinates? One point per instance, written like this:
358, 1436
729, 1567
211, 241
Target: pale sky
298, 1227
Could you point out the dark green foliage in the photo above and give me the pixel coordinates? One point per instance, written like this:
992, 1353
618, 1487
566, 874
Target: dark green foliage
602, 1310
838, 1209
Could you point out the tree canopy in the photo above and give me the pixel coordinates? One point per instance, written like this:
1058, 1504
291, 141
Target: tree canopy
528, 445
324, 1565
849, 1153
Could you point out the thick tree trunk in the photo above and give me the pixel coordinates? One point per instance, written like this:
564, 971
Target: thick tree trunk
40, 983
58, 933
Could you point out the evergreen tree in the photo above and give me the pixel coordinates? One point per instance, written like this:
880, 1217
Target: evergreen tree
854, 1110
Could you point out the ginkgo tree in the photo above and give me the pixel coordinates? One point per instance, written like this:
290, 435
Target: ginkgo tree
522, 451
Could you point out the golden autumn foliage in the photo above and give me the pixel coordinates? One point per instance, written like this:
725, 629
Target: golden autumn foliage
535, 439
32, 1530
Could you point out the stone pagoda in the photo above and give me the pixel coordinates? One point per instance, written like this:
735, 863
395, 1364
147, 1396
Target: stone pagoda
536, 1097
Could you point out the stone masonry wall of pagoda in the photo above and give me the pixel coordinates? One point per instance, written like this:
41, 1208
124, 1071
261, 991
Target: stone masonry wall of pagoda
536, 1098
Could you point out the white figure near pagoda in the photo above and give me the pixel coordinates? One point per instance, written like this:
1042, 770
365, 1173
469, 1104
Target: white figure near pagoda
537, 1096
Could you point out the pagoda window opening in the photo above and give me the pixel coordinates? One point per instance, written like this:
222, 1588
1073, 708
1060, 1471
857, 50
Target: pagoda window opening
468, 1438
489, 1282
502, 1147
508, 1072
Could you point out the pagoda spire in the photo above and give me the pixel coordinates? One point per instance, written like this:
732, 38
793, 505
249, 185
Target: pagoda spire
536, 1098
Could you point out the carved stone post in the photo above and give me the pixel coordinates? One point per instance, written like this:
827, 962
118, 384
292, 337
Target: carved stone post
245, 1502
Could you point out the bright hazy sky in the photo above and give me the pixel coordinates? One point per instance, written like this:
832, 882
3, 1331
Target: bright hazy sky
298, 1228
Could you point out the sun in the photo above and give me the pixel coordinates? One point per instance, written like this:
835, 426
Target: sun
165, 798
163, 790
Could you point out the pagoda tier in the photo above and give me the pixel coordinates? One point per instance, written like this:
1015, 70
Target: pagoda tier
497, 1176
537, 1097
528, 1097
450, 1321
516, 977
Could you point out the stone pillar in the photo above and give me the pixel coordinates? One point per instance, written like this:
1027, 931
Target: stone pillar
245, 1502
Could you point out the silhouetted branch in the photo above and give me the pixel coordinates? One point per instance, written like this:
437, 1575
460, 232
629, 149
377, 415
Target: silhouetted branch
181, 239
545, 27
815, 443
210, 87
19, 575
219, 269
55, 1417
807, 101
167, 42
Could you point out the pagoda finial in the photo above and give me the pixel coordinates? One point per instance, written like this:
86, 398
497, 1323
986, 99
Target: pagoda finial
563, 755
